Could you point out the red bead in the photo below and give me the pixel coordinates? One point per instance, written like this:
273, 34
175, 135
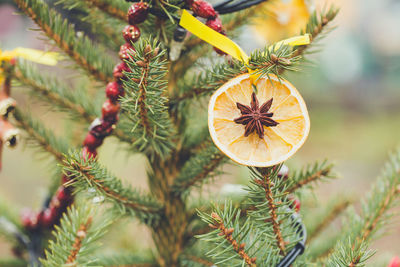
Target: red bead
131, 33
125, 51
118, 72
47, 218
29, 219
88, 153
92, 141
215, 24
203, 9
113, 90
395, 262
137, 13
63, 194
297, 205
110, 109
101, 128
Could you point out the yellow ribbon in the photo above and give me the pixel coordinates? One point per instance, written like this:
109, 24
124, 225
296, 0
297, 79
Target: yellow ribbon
38, 56
225, 44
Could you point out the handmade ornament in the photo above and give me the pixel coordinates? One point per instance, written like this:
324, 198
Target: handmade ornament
255, 121
258, 129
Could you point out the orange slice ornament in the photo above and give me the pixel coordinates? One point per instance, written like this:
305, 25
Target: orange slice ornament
261, 128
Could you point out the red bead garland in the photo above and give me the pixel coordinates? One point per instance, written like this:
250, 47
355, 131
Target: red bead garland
100, 127
205, 10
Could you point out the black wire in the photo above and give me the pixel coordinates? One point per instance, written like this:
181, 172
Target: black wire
238, 6
220, 5
299, 247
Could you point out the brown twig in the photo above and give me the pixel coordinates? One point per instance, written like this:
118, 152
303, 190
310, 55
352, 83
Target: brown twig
63, 44
143, 87
80, 236
228, 235
21, 123
216, 159
267, 185
62, 101
313, 177
85, 171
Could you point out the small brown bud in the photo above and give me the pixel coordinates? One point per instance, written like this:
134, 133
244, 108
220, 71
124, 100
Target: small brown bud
324, 21
140, 63
147, 49
212, 226
216, 217
155, 52
229, 231
235, 245
253, 260
274, 58
241, 247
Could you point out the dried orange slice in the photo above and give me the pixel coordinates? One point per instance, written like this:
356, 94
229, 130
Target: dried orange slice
261, 129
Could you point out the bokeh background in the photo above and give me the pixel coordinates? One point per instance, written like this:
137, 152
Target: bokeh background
352, 88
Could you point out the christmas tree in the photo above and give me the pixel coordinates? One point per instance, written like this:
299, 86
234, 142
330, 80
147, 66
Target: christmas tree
155, 104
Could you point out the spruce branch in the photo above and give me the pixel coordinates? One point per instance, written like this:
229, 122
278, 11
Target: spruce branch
76, 238
88, 174
266, 184
41, 136
269, 209
103, 27
234, 243
145, 103
316, 26
55, 92
310, 174
77, 47
352, 249
208, 81
265, 61
199, 168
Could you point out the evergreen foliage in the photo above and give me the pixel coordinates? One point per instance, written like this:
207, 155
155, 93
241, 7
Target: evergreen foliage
88, 175
76, 238
163, 118
145, 101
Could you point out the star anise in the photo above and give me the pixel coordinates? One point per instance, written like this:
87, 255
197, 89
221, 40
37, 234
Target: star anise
255, 117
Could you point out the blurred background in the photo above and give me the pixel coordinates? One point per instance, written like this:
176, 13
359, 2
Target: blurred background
351, 87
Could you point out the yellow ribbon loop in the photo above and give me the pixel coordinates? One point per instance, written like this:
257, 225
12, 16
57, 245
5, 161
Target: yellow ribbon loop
212, 37
37, 56
225, 44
